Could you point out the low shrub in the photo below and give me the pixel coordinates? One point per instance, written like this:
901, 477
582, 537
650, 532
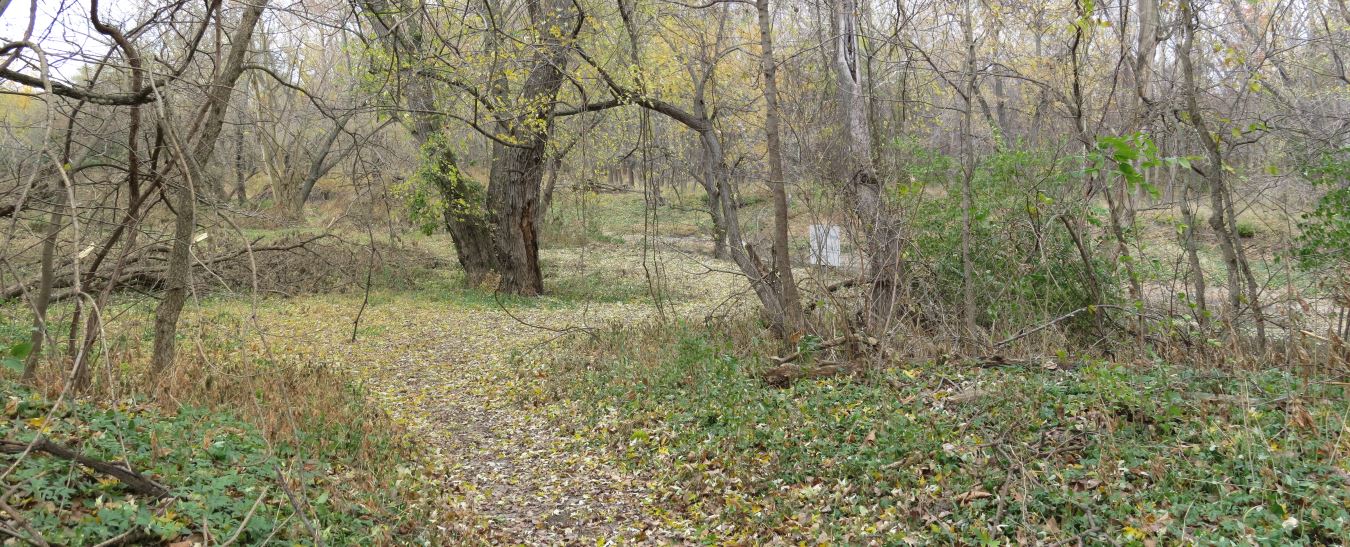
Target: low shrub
952, 455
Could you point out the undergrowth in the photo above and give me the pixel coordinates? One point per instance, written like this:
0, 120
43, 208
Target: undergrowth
225, 478
237, 417
944, 454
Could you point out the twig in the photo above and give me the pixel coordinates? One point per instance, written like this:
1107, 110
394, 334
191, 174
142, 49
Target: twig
136, 533
1039, 328
370, 271
248, 516
295, 505
823, 345
36, 538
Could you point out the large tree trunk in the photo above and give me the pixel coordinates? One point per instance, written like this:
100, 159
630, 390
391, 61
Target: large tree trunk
286, 193
470, 232
858, 174
465, 213
518, 170
513, 201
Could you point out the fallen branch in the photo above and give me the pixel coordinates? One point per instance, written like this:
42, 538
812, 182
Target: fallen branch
1039, 328
828, 344
34, 536
967, 396
995, 361
785, 375
136, 482
832, 288
833, 342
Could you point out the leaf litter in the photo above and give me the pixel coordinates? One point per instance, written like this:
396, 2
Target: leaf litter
447, 366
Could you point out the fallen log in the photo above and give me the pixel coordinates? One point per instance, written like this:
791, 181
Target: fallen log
134, 481
785, 375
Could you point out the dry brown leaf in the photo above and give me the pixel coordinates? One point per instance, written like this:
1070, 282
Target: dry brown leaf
973, 495
1300, 417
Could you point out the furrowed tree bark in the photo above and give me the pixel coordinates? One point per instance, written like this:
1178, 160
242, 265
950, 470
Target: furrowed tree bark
861, 186
465, 214
184, 195
518, 171
469, 228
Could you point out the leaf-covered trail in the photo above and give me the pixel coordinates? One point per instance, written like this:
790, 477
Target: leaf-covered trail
451, 372
515, 471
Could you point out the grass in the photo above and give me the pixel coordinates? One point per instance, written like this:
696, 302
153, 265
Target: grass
604, 218
568, 281
1104, 452
281, 376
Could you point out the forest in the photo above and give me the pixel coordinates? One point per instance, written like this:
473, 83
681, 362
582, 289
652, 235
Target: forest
630, 272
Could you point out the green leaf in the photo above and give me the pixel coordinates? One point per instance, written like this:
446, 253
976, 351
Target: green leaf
20, 350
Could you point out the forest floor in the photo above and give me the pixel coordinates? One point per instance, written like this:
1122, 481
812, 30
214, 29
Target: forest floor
446, 363
576, 419
592, 415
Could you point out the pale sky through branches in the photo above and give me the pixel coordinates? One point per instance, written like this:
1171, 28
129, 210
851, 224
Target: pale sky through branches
62, 29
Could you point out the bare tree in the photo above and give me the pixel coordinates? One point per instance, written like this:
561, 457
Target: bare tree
782, 280
185, 194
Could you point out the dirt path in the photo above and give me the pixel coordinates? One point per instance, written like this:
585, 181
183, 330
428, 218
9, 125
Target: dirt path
445, 370
527, 481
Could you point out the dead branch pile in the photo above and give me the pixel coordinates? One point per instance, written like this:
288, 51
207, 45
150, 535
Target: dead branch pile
291, 265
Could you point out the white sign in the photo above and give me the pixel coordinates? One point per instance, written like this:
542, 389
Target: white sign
825, 245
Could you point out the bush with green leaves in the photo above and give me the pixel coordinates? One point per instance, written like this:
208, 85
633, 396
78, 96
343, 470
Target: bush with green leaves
1026, 265
440, 189
1246, 230
1325, 237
